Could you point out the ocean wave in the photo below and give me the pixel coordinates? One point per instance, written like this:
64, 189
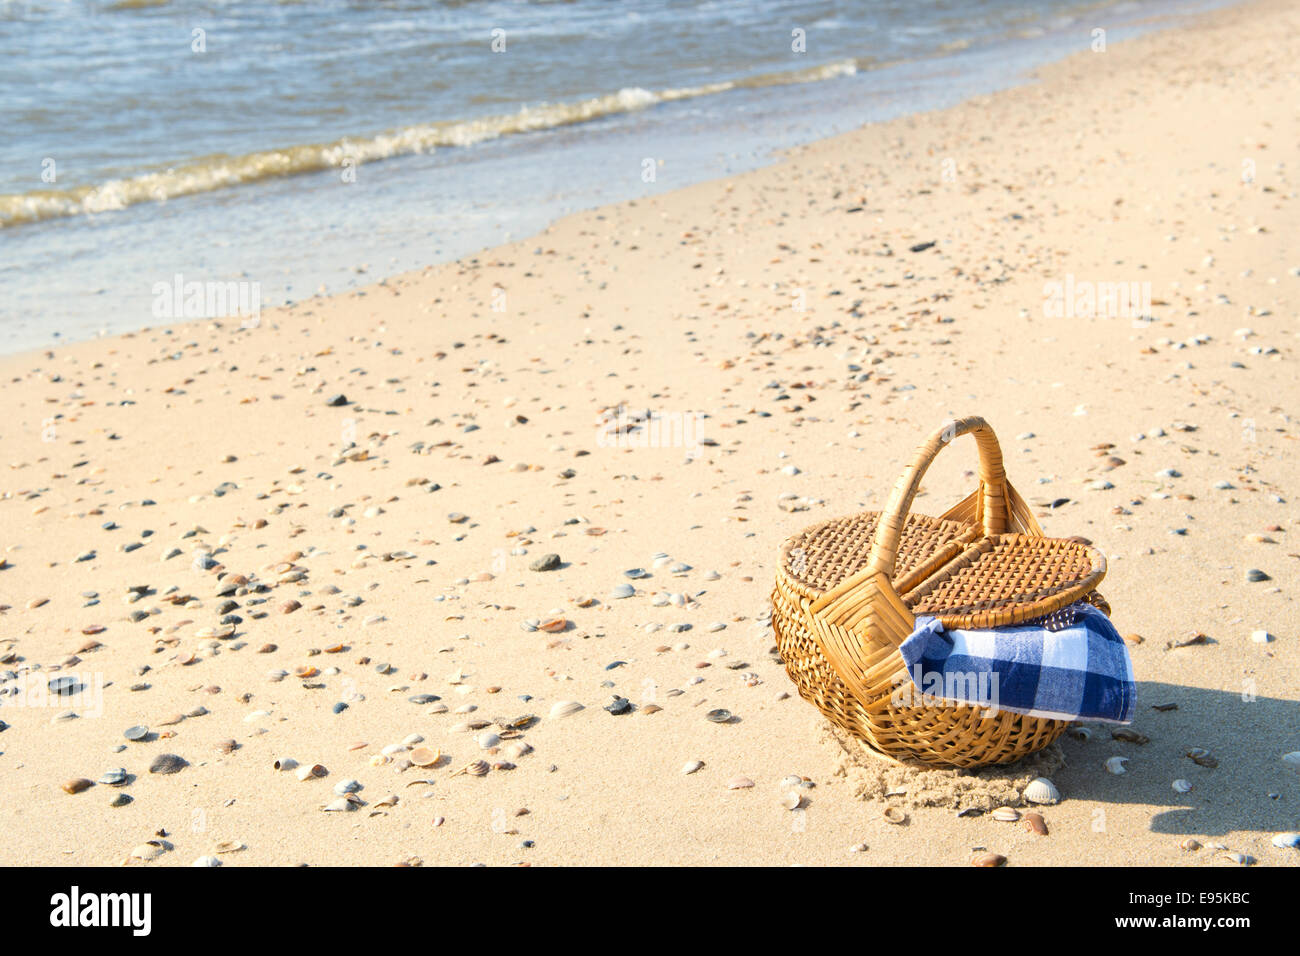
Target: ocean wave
209, 173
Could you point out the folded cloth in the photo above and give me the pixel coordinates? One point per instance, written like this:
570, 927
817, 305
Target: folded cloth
1072, 665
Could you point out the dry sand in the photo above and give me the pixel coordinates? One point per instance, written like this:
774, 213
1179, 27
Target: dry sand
1122, 166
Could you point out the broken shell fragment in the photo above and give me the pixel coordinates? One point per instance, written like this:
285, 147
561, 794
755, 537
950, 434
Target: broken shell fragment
308, 773
739, 783
1035, 823
1116, 766
895, 815
1182, 786
791, 800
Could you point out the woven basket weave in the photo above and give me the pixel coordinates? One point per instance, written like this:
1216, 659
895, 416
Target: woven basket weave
848, 590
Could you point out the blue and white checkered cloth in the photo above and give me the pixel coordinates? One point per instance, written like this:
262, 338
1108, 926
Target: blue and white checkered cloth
1080, 671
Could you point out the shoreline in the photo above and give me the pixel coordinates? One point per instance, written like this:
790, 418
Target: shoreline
339, 230
881, 296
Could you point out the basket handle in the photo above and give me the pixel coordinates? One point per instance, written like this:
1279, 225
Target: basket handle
993, 504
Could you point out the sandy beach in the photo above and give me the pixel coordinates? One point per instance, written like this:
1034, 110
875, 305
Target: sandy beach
385, 469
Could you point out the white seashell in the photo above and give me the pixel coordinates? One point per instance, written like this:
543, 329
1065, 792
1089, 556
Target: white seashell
691, 766
622, 591
565, 708
148, 851
487, 740
660, 600
307, 773
1292, 760
437, 708
339, 805
206, 861
717, 626
285, 763
391, 749
1006, 814
412, 740
1182, 786
1041, 790
791, 800
378, 760
1287, 841
1115, 765
518, 748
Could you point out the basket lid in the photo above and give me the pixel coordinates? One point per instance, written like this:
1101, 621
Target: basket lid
949, 569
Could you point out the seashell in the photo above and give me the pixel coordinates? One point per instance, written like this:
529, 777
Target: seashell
150, 850
305, 671
502, 765
467, 726
1182, 786
344, 787
1191, 843
378, 760
438, 708
391, 749
138, 732
519, 749
114, 778
285, 763
1285, 841
206, 861
565, 708
792, 800
739, 783
553, 625
172, 721
342, 804
77, 785
718, 716
425, 757
691, 766
226, 746
1006, 814
167, 763
1202, 757
229, 846
895, 815
388, 801
475, 768
659, 600
1043, 791
988, 859
1291, 759
620, 591
1115, 765
522, 722
1245, 859
1035, 823
1130, 736
487, 740
410, 740
651, 709
307, 773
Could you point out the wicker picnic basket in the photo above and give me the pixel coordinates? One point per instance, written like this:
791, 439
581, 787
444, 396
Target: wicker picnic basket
848, 590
